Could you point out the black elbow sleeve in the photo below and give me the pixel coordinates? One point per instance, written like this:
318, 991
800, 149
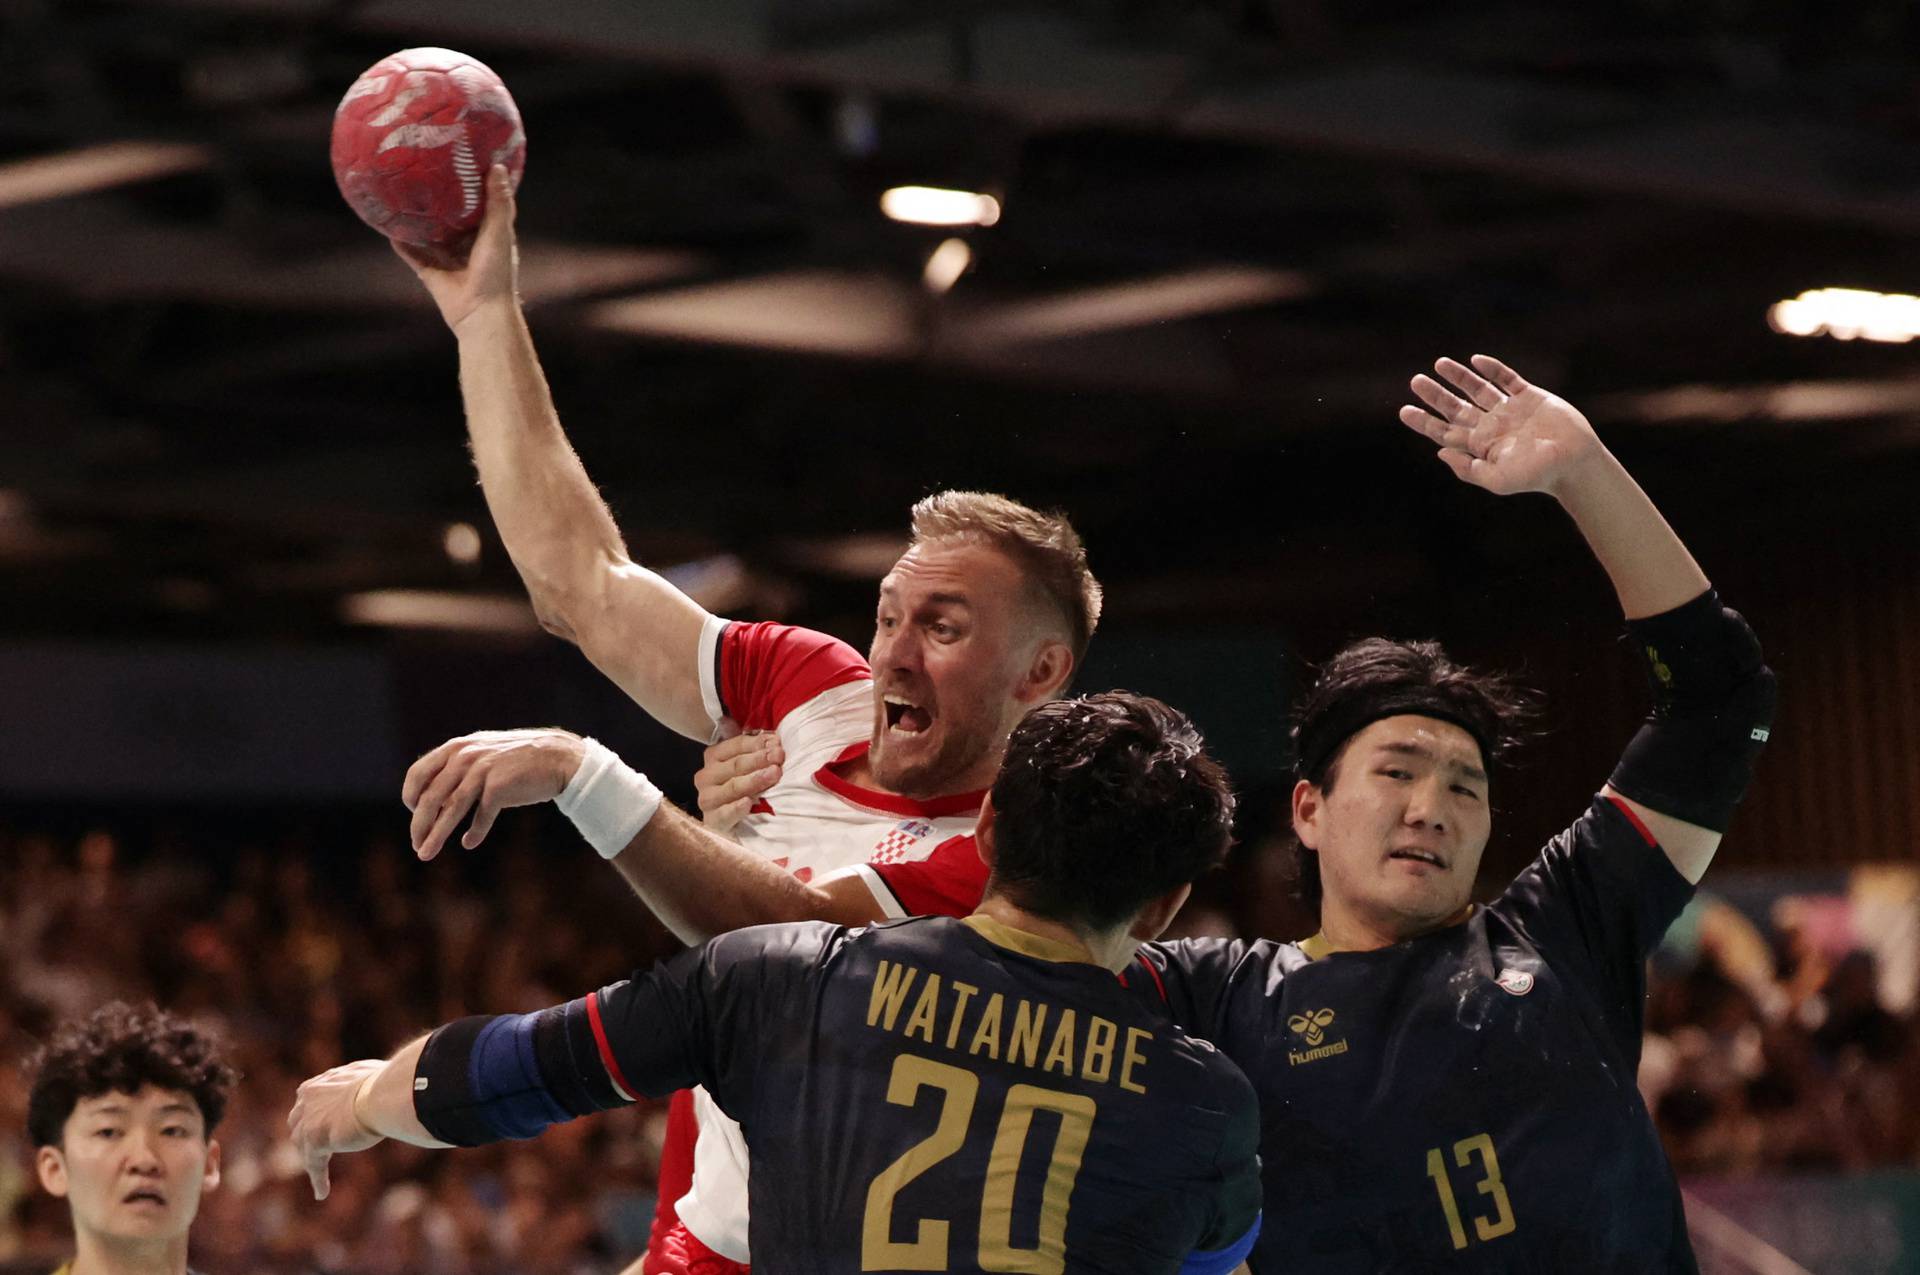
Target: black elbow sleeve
1713, 703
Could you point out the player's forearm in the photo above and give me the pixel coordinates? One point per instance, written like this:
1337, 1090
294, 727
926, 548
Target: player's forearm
384, 1103
556, 528
700, 884
1650, 568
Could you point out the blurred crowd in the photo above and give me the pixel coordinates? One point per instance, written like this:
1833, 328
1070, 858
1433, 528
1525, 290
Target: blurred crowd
305, 950
1779, 1055
320, 941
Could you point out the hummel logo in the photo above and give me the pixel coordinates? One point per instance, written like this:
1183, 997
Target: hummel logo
1312, 1025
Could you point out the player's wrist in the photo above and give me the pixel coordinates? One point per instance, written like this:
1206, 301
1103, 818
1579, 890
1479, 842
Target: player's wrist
487, 317
1594, 475
608, 801
362, 1096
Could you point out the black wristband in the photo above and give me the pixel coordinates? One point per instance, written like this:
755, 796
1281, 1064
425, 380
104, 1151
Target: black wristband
442, 1089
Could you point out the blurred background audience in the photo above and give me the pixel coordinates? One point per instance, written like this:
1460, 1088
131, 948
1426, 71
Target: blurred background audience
1781, 1029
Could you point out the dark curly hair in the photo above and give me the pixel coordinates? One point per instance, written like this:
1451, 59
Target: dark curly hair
1104, 803
122, 1048
1380, 677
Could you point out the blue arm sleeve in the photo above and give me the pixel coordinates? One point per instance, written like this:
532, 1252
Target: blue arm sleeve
483, 1079
1220, 1261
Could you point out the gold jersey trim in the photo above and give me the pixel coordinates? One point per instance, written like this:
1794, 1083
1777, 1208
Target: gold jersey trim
1317, 947
1026, 944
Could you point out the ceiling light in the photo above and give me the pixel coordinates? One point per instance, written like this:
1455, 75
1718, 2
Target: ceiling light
932, 206
79, 172
426, 609
462, 543
944, 268
1848, 313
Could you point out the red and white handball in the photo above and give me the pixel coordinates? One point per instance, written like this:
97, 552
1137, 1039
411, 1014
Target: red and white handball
413, 141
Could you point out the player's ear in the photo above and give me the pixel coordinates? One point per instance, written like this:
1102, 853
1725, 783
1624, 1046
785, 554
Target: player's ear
1309, 805
51, 1164
983, 831
210, 1174
1047, 672
1154, 918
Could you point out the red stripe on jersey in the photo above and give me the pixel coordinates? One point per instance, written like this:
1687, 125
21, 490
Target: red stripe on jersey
964, 803
760, 806
1634, 819
768, 670
1154, 974
948, 882
607, 1059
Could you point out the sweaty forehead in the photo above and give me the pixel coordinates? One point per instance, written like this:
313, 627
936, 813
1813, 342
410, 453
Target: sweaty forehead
951, 567
1444, 741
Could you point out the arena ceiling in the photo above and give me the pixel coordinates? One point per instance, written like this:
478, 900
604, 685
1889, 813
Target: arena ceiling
1231, 230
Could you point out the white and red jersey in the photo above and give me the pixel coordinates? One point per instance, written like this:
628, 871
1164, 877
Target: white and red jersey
816, 692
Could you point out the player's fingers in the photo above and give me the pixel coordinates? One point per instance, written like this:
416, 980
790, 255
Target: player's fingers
721, 818
1459, 462
433, 799
452, 811
747, 787
1509, 381
1469, 382
764, 751
1442, 400
317, 1173
483, 817
1423, 422
422, 772
500, 209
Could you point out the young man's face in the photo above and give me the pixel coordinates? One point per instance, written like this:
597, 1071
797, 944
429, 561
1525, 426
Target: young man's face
132, 1166
1402, 826
953, 643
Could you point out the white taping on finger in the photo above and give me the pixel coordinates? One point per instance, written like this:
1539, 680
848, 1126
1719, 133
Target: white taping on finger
608, 800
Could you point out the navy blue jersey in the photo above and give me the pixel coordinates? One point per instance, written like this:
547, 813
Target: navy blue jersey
1465, 1100
929, 1094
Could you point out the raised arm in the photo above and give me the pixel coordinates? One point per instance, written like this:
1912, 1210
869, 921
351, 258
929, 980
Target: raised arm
1687, 768
638, 629
1506, 435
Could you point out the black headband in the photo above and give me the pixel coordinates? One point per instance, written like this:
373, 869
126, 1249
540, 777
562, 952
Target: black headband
1315, 744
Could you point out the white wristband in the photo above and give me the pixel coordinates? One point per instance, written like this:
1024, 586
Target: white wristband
608, 800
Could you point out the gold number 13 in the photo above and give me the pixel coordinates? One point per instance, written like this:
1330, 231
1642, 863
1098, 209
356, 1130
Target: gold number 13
927, 1251
1501, 1223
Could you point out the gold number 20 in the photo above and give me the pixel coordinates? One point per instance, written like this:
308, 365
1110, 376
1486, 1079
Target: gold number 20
927, 1251
1501, 1223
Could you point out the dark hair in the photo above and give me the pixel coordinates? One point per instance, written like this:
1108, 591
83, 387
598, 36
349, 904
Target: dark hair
1044, 546
1103, 803
1379, 677
122, 1048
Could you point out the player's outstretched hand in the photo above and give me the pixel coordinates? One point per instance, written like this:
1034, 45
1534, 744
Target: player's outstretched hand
491, 270
485, 772
1497, 431
733, 773
323, 1121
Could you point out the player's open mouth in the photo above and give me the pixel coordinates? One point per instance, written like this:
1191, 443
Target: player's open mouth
1418, 855
905, 716
145, 1195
